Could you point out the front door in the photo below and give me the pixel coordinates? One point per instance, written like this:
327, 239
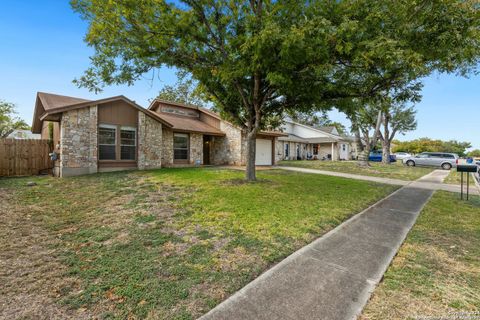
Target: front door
344, 151
206, 149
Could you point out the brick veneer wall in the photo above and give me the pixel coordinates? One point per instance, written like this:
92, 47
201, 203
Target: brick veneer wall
227, 149
78, 142
196, 148
167, 144
150, 143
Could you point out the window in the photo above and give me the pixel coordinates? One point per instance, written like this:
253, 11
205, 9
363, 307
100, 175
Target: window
180, 146
315, 149
448, 156
287, 151
107, 142
344, 148
127, 143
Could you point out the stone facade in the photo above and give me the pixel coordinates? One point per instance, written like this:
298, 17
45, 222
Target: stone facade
150, 143
167, 145
196, 148
78, 142
227, 149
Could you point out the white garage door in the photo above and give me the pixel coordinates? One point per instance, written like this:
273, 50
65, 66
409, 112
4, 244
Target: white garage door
263, 154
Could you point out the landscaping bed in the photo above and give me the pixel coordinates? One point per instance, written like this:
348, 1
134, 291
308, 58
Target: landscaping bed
394, 170
162, 244
436, 273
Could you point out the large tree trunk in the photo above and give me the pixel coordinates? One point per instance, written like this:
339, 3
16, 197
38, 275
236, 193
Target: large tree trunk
250, 173
362, 150
363, 157
385, 141
386, 151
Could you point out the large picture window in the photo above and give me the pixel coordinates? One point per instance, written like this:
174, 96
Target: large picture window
127, 143
180, 146
107, 142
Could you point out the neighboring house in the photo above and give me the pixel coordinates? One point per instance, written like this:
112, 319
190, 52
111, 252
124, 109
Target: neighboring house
116, 134
305, 142
23, 134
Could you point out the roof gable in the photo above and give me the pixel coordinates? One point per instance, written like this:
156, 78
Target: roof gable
50, 104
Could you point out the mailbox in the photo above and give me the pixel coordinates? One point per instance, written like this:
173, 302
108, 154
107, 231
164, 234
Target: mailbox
467, 168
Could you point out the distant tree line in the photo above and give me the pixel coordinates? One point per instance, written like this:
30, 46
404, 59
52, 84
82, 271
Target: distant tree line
8, 119
431, 145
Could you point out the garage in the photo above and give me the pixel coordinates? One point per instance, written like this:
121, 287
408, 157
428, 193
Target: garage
263, 152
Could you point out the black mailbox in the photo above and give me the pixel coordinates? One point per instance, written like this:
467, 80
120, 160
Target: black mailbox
467, 168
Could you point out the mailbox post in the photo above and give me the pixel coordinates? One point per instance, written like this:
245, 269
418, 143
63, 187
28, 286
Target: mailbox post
468, 168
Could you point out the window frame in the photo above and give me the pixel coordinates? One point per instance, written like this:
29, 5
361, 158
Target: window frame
128, 128
107, 126
188, 147
118, 143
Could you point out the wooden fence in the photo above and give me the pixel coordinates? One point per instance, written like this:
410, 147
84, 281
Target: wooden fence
24, 157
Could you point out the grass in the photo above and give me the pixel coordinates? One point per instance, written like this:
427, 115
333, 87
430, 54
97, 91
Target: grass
165, 244
394, 171
437, 270
455, 178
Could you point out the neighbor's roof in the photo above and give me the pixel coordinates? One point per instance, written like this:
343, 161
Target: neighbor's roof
328, 129
48, 106
293, 138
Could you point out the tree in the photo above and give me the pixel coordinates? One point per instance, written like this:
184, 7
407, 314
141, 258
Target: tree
430, 145
256, 59
184, 91
364, 119
316, 120
8, 120
396, 118
474, 153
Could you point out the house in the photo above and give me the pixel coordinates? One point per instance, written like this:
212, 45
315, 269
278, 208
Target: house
23, 134
116, 134
199, 136
306, 142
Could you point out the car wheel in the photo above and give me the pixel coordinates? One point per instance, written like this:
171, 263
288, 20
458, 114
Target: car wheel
410, 163
446, 166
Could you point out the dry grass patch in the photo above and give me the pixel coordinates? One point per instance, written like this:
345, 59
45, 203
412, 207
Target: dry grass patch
437, 270
166, 244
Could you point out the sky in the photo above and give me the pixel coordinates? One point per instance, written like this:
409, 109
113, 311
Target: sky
42, 49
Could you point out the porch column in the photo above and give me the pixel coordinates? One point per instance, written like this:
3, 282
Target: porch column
333, 151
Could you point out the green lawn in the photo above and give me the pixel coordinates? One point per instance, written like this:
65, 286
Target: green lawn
164, 244
395, 170
455, 178
437, 270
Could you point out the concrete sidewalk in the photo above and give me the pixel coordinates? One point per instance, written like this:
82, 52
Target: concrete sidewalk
431, 181
334, 276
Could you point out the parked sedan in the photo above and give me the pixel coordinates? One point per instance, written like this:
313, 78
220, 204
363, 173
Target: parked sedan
376, 156
402, 155
446, 161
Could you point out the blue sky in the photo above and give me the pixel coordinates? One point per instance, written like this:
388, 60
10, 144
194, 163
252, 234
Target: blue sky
42, 49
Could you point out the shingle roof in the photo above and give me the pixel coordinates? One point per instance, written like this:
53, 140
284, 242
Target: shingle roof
328, 129
52, 101
189, 124
49, 104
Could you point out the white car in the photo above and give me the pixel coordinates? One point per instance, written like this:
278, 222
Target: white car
402, 155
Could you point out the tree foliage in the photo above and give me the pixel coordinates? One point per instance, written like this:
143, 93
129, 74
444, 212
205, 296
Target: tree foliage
474, 153
185, 91
431, 145
8, 119
316, 120
256, 59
